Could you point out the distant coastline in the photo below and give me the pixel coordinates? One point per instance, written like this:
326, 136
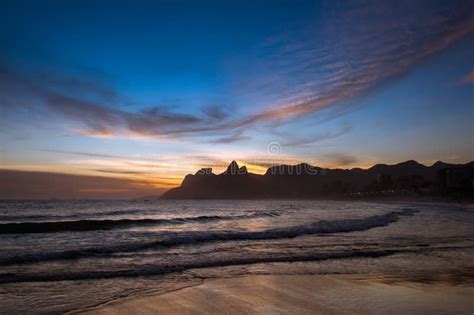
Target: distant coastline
410, 180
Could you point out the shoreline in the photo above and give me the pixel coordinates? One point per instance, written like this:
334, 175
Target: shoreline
419, 200
302, 294
377, 199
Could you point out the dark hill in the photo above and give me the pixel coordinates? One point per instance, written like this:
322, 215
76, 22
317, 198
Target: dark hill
306, 181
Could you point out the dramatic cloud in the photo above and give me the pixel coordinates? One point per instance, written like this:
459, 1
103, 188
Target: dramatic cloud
308, 75
356, 57
94, 116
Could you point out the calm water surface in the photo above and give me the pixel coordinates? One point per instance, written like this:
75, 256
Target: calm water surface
68, 255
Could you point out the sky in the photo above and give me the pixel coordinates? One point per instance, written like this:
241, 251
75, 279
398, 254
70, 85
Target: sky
149, 91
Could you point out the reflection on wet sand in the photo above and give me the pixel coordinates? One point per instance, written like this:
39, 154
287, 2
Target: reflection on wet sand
303, 294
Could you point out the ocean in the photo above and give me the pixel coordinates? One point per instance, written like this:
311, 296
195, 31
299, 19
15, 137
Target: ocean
67, 256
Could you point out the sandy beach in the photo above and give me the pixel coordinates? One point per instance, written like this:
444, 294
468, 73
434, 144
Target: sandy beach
239, 257
302, 294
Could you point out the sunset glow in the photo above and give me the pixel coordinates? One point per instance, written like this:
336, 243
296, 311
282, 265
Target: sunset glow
314, 78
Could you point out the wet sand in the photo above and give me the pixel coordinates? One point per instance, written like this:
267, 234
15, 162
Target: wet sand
302, 294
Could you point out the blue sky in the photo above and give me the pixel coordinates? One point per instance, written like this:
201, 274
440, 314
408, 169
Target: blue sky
156, 89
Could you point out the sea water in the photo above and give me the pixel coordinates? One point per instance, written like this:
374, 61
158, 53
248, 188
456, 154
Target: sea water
59, 256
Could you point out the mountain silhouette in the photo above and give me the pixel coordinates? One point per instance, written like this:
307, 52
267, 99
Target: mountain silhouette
307, 181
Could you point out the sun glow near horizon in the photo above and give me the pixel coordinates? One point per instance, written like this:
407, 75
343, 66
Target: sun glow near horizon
397, 85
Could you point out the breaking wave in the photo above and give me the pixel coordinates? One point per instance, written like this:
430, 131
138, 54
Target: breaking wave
194, 237
149, 270
94, 225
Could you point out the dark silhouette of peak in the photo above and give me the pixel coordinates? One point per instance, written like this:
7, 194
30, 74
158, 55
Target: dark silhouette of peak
410, 166
439, 165
404, 168
243, 170
410, 163
233, 164
307, 181
204, 171
292, 170
232, 169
